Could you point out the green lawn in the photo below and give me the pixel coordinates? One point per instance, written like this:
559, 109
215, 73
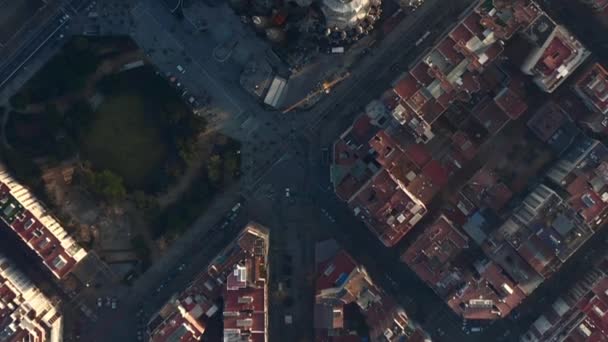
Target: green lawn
127, 141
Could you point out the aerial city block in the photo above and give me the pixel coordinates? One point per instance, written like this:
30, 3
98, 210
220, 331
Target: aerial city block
304, 170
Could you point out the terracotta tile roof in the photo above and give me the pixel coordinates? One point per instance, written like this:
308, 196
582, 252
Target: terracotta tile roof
553, 57
592, 87
421, 74
547, 120
335, 271
419, 154
37, 227
446, 47
431, 255
387, 210
406, 86
491, 296
490, 116
461, 33
510, 103
472, 23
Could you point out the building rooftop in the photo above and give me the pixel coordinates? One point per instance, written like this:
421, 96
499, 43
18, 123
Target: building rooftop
487, 293
433, 253
451, 70
439, 257
491, 116
341, 281
582, 173
592, 87
26, 314
37, 227
543, 230
485, 190
411, 167
556, 55
238, 275
546, 121
510, 102
352, 164
578, 314
388, 211
387, 181
334, 272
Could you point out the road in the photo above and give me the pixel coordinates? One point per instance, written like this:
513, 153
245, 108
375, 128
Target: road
163, 279
279, 151
294, 131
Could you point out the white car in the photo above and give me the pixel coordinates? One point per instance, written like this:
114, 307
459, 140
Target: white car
287, 192
181, 69
99, 302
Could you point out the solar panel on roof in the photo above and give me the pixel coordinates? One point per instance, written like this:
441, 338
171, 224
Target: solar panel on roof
341, 279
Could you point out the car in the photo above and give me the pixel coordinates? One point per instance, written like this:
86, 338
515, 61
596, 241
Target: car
108, 301
287, 192
181, 69
114, 304
181, 267
236, 207
99, 302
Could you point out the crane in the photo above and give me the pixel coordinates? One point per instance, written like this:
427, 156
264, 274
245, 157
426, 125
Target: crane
324, 88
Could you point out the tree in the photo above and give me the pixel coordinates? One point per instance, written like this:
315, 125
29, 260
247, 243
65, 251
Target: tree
65, 148
185, 150
107, 184
54, 117
214, 169
141, 249
197, 123
231, 164
77, 119
144, 201
22, 167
